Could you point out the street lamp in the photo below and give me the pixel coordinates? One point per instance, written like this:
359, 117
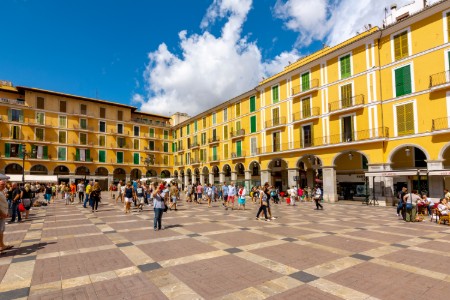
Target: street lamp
25, 154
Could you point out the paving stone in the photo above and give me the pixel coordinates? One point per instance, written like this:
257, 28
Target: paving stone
149, 267
13, 294
233, 250
303, 276
361, 256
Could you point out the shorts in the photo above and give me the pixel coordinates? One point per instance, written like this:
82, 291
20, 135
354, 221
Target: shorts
199, 195
48, 197
174, 199
141, 199
231, 199
2, 225
128, 199
225, 197
241, 200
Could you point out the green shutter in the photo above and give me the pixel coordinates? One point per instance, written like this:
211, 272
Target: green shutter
9, 115
345, 66
239, 148
346, 95
7, 149
214, 150
20, 151
119, 157
195, 126
173, 147
136, 158
252, 103
305, 82
45, 152
275, 94
166, 147
102, 156
77, 155
253, 124
403, 81
88, 155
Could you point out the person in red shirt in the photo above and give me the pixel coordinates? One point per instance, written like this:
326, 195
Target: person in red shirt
73, 191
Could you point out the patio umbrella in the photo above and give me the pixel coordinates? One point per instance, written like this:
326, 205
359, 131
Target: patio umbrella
4, 177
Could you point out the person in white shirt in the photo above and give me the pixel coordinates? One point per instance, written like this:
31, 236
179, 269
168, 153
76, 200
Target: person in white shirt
80, 189
241, 194
443, 207
293, 195
231, 195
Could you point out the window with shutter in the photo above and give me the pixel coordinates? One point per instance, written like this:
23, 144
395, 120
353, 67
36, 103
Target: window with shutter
275, 96
166, 134
62, 137
345, 66
305, 82
214, 119
40, 103
253, 124
306, 107
195, 126
225, 132
45, 152
119, 157
239, 148
166, 147
253, 146
7, 149
102, 141
405, 119
225, 151
225, 114
136, 130
151, 145
61, 153
401, 45
214, 153
40, 118
238, 125
102, 112
39, 134
238, 109
403, 81
15, 132
77, 155
62, 106
136, 158
62, 122
102, 156
276, 140
346, 95
276, 116
83, 138
136, 144
252, 103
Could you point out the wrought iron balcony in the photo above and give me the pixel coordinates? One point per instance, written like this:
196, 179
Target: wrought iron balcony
237, 133
276, 122
439, 79
237, 155
214, 140
194, 145
306, 114
213, 158
347, 103
300, 90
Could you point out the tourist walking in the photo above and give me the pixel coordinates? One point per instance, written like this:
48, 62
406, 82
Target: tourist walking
231, 195
140, 195
95, 196
209, 194
158, 207
81, 189
129, 195
174, 196
242, 193
87, 195
318, 198
27, 196
15, 201
263, 202
225, 194
3, 216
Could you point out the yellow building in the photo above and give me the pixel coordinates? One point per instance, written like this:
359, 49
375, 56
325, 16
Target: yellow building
372, 111
76, 137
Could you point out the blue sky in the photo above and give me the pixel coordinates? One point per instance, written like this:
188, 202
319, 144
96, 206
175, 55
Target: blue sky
164, 56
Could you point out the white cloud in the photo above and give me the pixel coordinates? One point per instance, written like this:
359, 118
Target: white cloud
331, 21
209, 69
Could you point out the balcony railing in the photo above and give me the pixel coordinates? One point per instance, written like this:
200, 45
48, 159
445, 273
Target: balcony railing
362, 135
194, 145
237, 155
439, 78
178, 164
440, 124
214, 139
149, 122
78, 127
180, 149
313, 86
306, 114
346, 103
113, 131
213, 158
12, 101
237, 133
280, 121
195, 161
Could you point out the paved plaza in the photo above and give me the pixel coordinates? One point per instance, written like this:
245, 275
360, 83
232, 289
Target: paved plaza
343, 252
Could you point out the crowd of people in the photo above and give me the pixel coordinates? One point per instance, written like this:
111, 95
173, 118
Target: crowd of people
412, 206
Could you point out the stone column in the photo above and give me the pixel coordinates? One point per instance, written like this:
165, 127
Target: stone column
186, 180
233, 176
194, 179
265, 177
222, 177
291, 174
202, 179
329, 184
211, 178
436, 183
127, 177
248, 178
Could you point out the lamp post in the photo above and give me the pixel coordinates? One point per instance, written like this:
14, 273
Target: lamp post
25, 154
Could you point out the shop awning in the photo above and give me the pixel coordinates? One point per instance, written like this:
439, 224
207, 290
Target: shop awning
393, 173
3, 177
32, 178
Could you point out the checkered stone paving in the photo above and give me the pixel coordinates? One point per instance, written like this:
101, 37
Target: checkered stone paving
343, 252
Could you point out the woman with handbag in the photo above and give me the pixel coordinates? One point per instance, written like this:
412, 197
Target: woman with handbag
159, 207
95, 196
26, 196
411, 202
318, 197
263, 202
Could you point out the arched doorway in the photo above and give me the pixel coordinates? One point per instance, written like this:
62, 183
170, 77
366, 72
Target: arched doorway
151, 173
38, 170
351, 183
61, 170
189, 175
13, 169
255, 171
240, 174
82, 171
279, 174
165, 174
227, 173
101, 171
205, 173
135, 174
119, 174
411, 160
197, 175
309, 171
216, 174
175, 174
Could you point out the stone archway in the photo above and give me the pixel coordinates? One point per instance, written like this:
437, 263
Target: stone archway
216, 174
61, 170
205, 175
227, 173
278, 169
151, 173
13, 169
101, 171
351, 183
135, 174
255, 173
197, 175
82, 171
119, 174
175, 174
189, 175
38, 170
165, 174
240, 174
